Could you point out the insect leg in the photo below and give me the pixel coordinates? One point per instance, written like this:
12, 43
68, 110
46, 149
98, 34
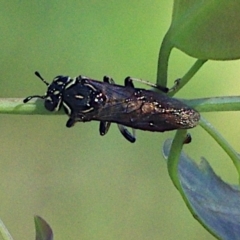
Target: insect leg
104, 126
130, 137
129, 80
70, 122
108, 80
188, 139
176, 85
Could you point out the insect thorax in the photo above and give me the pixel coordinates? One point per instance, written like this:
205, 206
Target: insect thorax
80, 96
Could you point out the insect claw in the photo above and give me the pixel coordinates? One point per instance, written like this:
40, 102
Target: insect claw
187, 139
175, 86
104, 127
70, 122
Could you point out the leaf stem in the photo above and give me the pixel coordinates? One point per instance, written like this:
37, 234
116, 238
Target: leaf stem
16, 106
215, 104
174, 157
36, 107
163, 57
222, 142
185, 79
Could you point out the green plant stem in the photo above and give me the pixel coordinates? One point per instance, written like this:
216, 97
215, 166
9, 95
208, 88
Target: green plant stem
36, 107
5, 233
16, 106
215, 104
173, 162
174, 157
185, 79
163, 57
222, 142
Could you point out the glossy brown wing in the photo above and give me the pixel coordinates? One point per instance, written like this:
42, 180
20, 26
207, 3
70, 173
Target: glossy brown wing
145, 110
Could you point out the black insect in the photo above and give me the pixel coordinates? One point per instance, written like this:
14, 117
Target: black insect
85, 99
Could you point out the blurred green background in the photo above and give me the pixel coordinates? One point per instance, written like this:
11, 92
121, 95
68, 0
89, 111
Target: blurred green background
84, 185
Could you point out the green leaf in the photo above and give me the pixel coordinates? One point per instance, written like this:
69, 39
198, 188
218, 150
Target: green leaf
206, 29
4, 232
214, 203
43, 230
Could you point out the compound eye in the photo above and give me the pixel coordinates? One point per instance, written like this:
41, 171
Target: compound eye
52, 105
53, 97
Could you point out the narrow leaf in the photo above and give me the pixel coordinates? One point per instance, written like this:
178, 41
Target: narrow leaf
43, 230
214, 203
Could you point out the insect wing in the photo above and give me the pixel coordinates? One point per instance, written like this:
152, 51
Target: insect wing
162, 113
147, 110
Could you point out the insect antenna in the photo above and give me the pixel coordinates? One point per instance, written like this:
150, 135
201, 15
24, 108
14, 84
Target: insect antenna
39, 76
27, 99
